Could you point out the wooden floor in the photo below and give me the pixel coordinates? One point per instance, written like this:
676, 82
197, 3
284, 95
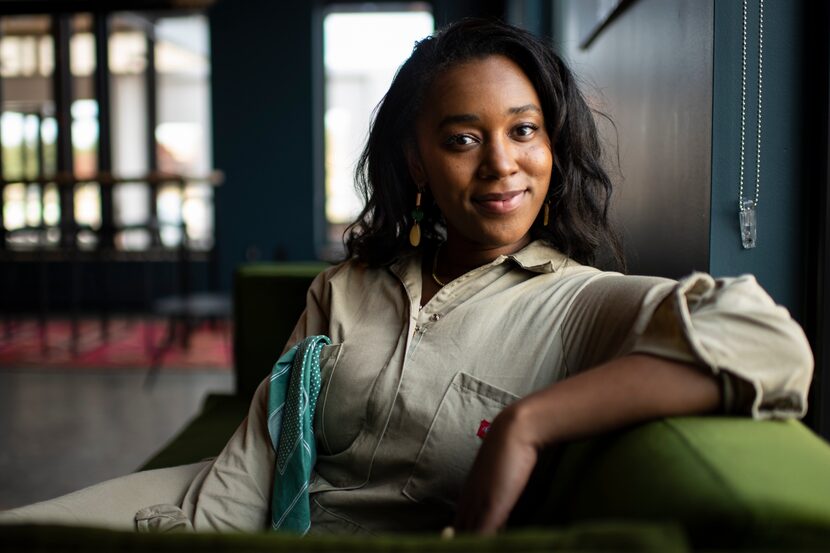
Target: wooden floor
60, 431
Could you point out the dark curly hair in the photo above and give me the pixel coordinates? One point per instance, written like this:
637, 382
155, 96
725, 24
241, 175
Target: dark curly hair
580, 189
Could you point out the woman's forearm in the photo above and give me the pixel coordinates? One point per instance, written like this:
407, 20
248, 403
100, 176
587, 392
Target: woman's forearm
620, 392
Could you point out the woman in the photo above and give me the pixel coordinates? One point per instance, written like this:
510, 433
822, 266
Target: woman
467, 317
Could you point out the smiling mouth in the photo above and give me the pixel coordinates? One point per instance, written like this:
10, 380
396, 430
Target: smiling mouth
500, 203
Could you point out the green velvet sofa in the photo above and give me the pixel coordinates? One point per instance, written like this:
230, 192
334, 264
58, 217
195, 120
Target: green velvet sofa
679, 484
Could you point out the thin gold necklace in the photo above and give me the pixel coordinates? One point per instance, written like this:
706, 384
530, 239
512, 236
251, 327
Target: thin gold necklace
435, 266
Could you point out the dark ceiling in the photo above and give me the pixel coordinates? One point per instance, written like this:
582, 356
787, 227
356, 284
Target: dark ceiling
17, 7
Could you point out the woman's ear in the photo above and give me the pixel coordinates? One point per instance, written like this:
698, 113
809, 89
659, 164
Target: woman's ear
416, 168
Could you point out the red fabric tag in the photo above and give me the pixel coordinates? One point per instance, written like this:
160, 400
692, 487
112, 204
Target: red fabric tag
483, 429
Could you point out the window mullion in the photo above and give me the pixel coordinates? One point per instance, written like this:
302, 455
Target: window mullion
151, 96
102, 95
62, 87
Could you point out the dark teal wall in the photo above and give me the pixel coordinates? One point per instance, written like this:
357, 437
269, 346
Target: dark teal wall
262, 122
447, 11
777, 261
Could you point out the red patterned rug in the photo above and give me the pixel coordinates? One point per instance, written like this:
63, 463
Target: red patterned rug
134, 343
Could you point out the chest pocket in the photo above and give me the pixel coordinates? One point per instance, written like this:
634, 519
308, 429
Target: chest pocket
455, 435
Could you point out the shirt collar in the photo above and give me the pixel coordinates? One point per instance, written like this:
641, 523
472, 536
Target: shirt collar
536, 257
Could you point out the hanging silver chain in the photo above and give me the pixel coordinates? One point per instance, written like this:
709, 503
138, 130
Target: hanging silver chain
743, 103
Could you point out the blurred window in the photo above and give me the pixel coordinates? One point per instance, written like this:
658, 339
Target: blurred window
28, 127
183, 132
363, 46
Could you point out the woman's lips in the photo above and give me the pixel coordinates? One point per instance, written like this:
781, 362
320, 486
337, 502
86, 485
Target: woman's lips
500, 203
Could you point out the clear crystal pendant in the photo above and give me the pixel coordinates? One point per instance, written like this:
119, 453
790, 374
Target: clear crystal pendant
749, 229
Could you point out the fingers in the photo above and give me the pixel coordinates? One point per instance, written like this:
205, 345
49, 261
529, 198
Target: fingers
499, 475
473, 516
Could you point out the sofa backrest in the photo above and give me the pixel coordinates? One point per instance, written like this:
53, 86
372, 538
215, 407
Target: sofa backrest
268, 300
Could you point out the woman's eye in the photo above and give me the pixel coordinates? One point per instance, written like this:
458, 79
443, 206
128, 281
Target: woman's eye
525, 130
460, 140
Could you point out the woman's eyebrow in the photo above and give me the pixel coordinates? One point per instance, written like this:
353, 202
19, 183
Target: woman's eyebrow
524, 108
471, 117
460, 118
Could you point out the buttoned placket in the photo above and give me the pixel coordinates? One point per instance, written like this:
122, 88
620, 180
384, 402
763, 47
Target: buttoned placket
444, 301
424, 319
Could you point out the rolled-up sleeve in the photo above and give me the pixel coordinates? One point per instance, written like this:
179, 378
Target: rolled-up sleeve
728, 326
733, 327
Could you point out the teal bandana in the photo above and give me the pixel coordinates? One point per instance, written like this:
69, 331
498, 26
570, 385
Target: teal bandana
292, 397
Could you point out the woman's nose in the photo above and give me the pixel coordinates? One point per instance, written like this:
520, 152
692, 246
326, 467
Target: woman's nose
499, 160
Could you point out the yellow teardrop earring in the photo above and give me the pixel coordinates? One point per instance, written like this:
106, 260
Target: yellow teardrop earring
546, 213
417, 216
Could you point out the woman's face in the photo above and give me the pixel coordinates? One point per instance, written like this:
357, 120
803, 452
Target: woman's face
484, 154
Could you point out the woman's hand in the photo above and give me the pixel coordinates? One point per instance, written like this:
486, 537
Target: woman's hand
499, 474
626, 390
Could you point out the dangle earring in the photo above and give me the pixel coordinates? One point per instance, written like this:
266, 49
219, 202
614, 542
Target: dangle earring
546, 213
417, 215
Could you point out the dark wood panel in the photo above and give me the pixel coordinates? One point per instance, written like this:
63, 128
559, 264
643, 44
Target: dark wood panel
650, 70
816, 161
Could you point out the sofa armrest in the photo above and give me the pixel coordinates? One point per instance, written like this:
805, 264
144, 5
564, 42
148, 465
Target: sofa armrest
729, 482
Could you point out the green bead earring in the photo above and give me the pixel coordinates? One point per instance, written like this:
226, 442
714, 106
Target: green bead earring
417, 216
